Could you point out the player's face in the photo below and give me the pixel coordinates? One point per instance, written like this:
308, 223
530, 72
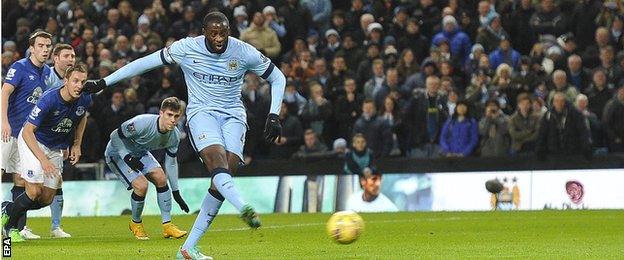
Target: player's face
169, 118
41, 49
372, 185
75, 82
65, 59
217, 34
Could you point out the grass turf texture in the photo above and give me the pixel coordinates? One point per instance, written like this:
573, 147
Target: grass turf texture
527, 234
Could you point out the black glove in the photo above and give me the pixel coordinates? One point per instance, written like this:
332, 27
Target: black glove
134, 162
272, 128
180, 201
94, 86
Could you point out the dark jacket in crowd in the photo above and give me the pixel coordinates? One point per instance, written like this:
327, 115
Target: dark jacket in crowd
523, 131
356, 161
614, 124
424, 118
564, 133
377, 133
293, 132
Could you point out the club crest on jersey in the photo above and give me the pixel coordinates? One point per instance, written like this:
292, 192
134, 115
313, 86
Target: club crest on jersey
80, 111
232, 65
131, 128
30, 173
264, 58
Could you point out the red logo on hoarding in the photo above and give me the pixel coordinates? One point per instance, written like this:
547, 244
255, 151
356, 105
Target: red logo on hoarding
575, 191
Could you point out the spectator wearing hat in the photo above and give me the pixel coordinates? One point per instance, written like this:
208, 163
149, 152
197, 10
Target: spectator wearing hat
374, 34
613, 120
240, 19
424, 114
578, 76
460, 45
292, 135
505, 54
273, 21
145, 30
262, 37
370, 199
348, 108
547, 20
332, 44
520, 30
563, 131
490, 35
414, 40
459, 136
297, 20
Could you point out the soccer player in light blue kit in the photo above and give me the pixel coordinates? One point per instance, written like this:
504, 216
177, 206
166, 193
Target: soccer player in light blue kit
214, 66
47, 131
128, 155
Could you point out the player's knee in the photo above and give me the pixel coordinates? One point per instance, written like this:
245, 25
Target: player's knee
140, 186
160, 179
214, 157
33, 191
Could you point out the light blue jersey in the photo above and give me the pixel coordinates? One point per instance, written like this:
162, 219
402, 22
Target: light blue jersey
54, 80
214, 80
137, 137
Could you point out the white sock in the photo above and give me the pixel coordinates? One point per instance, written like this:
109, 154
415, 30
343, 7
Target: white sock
207, 213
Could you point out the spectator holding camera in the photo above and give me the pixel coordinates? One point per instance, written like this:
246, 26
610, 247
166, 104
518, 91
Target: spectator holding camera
493, 131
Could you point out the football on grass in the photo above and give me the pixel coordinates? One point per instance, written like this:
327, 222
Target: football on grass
345, 227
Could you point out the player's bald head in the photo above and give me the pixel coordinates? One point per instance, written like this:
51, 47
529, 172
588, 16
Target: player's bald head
216, 19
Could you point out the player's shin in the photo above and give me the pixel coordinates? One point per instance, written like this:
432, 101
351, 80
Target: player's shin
137, 207
16, 191
164, 203
56, 209
209, 209
18, 207
222, 180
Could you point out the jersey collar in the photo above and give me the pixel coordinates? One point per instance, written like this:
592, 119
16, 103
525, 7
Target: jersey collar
56, 72
158, 126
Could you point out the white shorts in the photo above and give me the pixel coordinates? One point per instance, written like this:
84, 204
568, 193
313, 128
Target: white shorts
128, 175
213, 127
10, 156
30, 168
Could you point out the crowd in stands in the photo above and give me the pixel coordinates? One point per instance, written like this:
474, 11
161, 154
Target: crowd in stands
412, 78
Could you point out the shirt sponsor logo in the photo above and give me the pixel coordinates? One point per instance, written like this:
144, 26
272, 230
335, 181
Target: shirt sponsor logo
216, 79
10, 74
35, 112
64, 126
31, 77
35, 95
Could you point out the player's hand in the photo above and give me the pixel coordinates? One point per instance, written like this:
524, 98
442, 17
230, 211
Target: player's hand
94, 86
134, 163
49, 170
178, 198
6, 132
272, 128
74, 154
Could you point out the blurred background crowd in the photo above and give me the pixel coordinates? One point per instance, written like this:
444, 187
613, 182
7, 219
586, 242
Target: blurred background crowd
410, 78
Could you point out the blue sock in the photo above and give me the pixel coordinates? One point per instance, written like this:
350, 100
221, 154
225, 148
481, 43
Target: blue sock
223, 181
15, 192
137, 207
164, 203
56, 209
207, 213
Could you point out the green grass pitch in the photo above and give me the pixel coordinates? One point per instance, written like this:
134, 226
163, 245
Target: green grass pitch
527, 234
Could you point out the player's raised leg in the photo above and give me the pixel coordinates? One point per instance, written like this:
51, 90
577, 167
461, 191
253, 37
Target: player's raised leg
159, 179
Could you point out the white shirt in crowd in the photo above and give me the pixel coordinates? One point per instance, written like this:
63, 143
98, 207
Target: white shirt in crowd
380, 204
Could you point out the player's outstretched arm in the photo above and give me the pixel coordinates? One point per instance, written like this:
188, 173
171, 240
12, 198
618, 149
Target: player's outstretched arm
135, 68
273, 128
